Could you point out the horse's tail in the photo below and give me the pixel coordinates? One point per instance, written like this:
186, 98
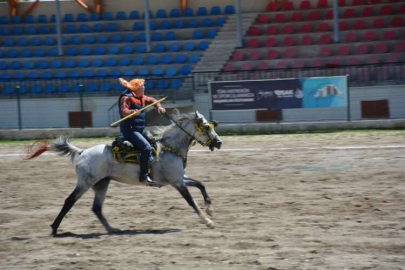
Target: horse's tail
61, 146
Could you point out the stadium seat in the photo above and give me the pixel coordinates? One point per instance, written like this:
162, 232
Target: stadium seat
386, 10
351, 37
110, 62
254, 55
115, 72
306, 40
212, 33
370, 36
68, 17
193, 23
42, 18
129, 38
127, 49
160, 47
56, 63
325, 39
8, 42
50, 89
185, 70
271, 42
36, 89
29, 65
157, 71
175, 84
175, 13
229, 67
12, 53
28, 19
49, 41
170, 35
271, 30
4, 31
272, 54
188, 12
113, 50
84, 28
305, 4
349, 13
111, 27
150, 14
108, 16
85, 51
73, 74
98, 27
262, 19
116, 38
19, 75
198, 34
288, 29
140, 49
389, 35
105, 87
157, 36
178, 24
253, 31
81, 17
194, 58
325, 52
229, 10
25, 53
39, 53
359, 25
207, 22
281, 65
102, 73
94, 17
314, 15
72, 51
134, 15
46, 75
69, 63
378, 23
124, 61
121, 15
42, 64
97, 62
253, 43
180, 59
30, 30
289, 41
280, 18
83, 63
162, 84
357, 2
237, 56
99, 50
367, 12
215, 10
165, 25
138, 26
60, 74
138, 60
343, 26
17, 31
35, 41
322, 4
152, 60
299, 64
166, 59
297, 17
89, 40
15, 19
76, 40
202, 11
361, 49
220, 21
161, 13
397, 22
91, 87
289, 53
70, 29
343, 50
174, 47
143, 72
203, 45
380, 48
263, 66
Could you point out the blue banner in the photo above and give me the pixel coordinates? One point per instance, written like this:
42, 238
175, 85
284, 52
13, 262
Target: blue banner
322, 92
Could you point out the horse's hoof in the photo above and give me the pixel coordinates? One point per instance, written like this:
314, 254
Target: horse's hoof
209, 211
114, 230
211, 224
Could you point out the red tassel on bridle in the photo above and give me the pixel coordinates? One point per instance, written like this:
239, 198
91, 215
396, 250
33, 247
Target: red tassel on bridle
36, 149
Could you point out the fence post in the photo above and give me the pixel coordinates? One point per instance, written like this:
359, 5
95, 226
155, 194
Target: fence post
81, 92
17, 91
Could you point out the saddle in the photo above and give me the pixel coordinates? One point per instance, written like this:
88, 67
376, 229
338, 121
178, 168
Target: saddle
124, 152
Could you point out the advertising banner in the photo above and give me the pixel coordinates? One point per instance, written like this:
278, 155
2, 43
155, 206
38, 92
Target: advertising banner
321, 92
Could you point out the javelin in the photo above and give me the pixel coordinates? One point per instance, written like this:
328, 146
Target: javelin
136, 112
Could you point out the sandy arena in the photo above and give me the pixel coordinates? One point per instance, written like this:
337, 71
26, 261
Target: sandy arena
308, 201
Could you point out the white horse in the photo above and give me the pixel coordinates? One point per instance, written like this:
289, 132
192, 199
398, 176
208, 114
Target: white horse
95, 167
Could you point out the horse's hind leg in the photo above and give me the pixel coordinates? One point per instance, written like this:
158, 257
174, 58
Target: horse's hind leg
100, 190
195, 183
187, 196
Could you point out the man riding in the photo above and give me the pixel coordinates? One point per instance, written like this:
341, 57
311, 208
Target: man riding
130, 101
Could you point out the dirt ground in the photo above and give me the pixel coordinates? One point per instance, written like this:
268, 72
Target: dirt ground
308, 201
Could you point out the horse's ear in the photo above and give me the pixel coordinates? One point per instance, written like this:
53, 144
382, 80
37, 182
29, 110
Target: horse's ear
215, 123
197, 114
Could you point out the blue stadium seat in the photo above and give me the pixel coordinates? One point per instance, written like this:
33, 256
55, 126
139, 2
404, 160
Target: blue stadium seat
161, 13
17, 31
3, 20
202, 11
178, 24
194, 58
138, 26
70, 29
91, 87
151, 60
35, 41
149, 85
129, 38
193, 23
83, 63
175, 13
150, 14
157, 71
56, 63
229, 10
143, 72
115, 72
42, 18
44, 30
85, 51
113, 50
39, 53
97, 62
116, 38
211, 33
42, 64
4, 31
28, 19
50, 89
127, 49
105, 87
125, 61
101, 73
99, 50
36, 89
81, 17
23, 89
138, 61
189, 46
19, 75
207, 22
76, 40
129, 72
121, 15
166, 59
4, 76
170, 35
2, 54
84, 28
64, 88
88, 73
111, 27
180, 59
3, 65
108, 16
29, 64
8, 90
94, 17
188, 12
73, 74
60, 74
160, 47
215, 10
30, 30
203, 45
142, 37
46, 75
220, 21
162, 84
70, 63
152, 25
15, 19
102, 39
111, 62
134, 15
157, 36
12, 53
165, 25
198, 34
68, 18
174, 47
49, 41
98, 27
89, 40
25, 53
175, 84
171, 71
77, 87
33, 75
140, 49
64, 40
53, 52
185, 70
72, 51
8, 42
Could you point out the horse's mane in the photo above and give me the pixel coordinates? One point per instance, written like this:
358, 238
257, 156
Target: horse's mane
179, 118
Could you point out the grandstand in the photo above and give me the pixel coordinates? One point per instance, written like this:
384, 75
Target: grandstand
280, 39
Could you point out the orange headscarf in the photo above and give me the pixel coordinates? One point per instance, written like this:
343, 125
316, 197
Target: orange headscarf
135, 83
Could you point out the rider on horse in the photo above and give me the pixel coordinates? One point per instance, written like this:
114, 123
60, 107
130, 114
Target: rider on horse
130, 101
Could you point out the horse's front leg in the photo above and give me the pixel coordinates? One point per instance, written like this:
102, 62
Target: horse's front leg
187, 196
195, 183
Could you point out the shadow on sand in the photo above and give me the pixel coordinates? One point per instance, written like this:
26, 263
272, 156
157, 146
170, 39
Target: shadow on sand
123, 232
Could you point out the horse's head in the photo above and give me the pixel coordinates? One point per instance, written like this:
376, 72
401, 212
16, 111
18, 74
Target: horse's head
204, 132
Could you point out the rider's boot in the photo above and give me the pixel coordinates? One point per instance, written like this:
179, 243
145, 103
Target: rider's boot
145, 165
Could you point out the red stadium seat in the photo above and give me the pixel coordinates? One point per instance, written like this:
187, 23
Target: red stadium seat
297, 17
254, 31
245, 67
281, 65
359, 24
289, 41
375, 2
342, 3
343, 50
389, 34
237, 56
254, 55
370, 36
306, 40
316, 63
329, 15
358, 2
288, 29
279, 18
272, 54
305, 4
262, 18
343, 26
378, 23
263, 66
333, 63
353, 61
386, 10
271, 42
314, 15
350, 13
325, 52
373, 60
323, 27
322, 4
380, 48
299, 64
306, 28
367, 12
253, 43
351, 37
392, 58
229, 67
397, 22
399, 47
362, 49
272, 30
272, 6
288, 6
402, 9
325, 39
